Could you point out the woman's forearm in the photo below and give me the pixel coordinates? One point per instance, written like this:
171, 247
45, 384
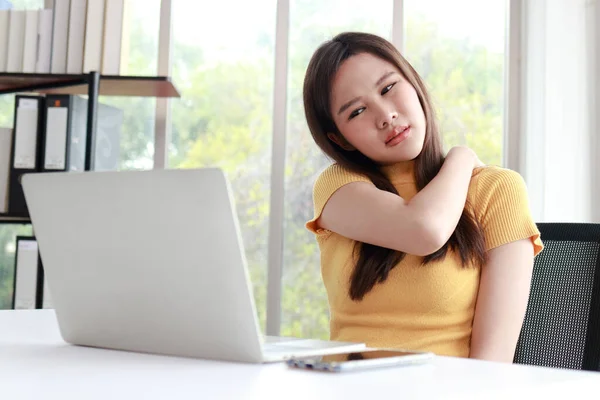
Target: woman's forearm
442, 201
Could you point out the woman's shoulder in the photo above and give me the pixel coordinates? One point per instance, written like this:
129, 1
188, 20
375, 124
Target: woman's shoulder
328, 182
494, 171
492, 183
336, 169
501, 202
336, 174
489, 177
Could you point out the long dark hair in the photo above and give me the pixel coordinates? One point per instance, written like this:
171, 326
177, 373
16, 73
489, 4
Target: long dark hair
374, 262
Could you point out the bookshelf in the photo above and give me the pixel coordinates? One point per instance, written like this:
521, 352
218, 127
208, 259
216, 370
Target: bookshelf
91, 84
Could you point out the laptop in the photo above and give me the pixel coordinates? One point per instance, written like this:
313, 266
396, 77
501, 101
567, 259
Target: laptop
153, 262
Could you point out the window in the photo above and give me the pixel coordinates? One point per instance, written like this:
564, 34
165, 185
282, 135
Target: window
223, 66
458, 49
304, 301
140, 38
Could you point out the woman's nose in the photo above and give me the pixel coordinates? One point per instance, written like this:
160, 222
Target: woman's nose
386, 118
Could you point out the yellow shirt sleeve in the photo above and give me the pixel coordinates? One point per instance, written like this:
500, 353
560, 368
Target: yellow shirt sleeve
502, 204
328, 182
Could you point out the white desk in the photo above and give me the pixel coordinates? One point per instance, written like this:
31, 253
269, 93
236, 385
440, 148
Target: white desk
36, 364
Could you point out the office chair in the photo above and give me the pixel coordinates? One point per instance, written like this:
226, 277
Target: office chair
562, 323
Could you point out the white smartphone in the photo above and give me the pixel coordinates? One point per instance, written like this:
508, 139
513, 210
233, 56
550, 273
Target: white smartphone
365, 359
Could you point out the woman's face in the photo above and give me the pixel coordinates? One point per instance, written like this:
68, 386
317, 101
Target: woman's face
376, 110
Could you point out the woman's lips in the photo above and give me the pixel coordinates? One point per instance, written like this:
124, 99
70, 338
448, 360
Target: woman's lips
399, 135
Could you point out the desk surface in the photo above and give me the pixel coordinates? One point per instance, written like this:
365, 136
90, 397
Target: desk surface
36, 363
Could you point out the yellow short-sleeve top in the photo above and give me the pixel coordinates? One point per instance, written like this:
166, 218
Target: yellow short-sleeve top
418, 307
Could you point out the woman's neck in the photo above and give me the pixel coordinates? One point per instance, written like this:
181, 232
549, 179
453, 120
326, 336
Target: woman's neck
401, 171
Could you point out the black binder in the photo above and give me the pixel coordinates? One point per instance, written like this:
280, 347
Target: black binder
64, 138
5, 149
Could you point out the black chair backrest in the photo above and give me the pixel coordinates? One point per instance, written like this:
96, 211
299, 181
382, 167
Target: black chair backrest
562, 324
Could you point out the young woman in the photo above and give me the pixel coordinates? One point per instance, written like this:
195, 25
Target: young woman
419, 250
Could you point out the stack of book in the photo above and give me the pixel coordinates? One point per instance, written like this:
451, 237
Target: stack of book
73, 37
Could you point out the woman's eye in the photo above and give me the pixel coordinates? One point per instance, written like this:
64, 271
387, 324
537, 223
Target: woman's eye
387, 88
356, 112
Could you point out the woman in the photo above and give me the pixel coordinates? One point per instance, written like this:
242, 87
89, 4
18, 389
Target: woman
419, 250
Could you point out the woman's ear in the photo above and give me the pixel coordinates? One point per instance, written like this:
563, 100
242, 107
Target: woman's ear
340, 141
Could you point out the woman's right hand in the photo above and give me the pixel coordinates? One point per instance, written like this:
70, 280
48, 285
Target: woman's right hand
465, 152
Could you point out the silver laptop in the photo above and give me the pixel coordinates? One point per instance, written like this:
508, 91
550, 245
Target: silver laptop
152, 261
